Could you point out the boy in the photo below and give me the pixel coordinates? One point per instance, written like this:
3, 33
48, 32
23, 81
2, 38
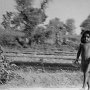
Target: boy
84, 51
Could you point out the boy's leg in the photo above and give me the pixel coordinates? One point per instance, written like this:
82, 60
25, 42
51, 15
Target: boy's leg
85, 74
84, 81
88, 76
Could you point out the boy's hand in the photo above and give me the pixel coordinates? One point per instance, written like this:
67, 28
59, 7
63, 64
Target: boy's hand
76, 63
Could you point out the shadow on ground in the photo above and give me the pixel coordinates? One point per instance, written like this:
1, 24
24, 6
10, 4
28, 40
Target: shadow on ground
52, 67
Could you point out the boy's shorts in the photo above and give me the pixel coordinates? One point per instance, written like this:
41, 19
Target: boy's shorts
85, 65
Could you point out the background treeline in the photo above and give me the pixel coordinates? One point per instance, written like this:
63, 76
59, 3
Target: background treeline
26, 27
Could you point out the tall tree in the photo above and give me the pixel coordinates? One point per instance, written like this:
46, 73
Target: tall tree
27, 18
30, 16
71, 25
27, 15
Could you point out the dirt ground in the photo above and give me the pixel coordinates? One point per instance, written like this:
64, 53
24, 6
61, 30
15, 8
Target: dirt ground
32, 77
46, 75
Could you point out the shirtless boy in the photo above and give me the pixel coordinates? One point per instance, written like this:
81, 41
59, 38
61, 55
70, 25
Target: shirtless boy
84, 51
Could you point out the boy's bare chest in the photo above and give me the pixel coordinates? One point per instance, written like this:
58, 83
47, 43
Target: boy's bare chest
86, 47
86, 50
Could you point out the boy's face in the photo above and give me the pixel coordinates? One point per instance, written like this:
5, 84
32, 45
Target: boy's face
87, 38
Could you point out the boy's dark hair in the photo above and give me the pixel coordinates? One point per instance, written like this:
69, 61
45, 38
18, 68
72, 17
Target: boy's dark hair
84, 35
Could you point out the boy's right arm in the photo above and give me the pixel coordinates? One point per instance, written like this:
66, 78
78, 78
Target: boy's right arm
78, 54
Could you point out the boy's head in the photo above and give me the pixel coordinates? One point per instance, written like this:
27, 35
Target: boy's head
85, 37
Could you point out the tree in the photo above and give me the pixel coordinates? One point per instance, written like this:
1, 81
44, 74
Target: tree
7, 20
39, 35
31, 16
27, 15
58, 30
71, 25
27, 18
85, 25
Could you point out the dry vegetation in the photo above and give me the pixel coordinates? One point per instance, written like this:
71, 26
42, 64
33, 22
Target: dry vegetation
50, 72
30, 77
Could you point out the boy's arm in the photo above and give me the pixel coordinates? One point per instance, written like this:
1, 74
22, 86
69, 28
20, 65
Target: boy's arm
78, 53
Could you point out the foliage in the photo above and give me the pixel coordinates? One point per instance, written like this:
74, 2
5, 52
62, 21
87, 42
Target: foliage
71, 25
11, 25
7, 20
44, 4
6, 40
27, 18
57, 28
86, 23
41, 34
4, 72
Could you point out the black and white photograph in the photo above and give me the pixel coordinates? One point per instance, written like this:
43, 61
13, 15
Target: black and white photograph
44, 44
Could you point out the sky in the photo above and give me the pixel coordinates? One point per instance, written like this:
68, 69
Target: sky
63, 9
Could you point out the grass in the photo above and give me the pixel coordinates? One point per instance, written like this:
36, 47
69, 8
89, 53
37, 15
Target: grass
33, 76
28, 77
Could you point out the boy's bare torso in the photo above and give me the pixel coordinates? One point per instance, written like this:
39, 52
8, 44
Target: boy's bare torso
85, 52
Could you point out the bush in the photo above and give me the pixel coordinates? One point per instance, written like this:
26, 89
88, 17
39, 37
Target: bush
5, 73
6, 40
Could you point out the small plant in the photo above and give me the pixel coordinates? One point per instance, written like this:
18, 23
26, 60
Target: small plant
5, 73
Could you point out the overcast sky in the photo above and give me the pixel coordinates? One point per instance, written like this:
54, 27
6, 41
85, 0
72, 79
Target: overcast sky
63, 9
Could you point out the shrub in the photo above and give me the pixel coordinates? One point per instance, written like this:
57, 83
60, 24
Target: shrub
7, 41
5, 73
